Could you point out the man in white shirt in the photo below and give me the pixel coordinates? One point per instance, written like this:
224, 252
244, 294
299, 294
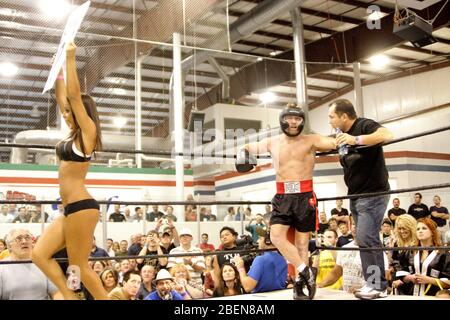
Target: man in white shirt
194, 264
5, 216
24, 281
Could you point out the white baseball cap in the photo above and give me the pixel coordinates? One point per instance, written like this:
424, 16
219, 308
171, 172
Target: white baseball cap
186, 231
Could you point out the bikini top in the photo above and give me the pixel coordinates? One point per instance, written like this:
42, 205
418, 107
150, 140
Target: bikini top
68, 151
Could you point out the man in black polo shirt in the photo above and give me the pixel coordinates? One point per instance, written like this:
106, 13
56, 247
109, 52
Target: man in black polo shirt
440, 215
340, 213
364, 171
418, 209
117, 216
395, 211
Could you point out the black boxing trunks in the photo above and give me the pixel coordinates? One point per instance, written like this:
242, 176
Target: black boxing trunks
295, 205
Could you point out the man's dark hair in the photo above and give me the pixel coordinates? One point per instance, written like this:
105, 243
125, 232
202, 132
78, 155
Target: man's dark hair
110, 239
230, 209
136, 209
205, 234
387, 221
232, 231
342, 106
341, 222
331, 230
332, 219
127, 275
418, 194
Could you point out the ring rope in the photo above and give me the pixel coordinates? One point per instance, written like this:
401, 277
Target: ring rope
153, 256
155, 152
240, 202
412, 136
211, 253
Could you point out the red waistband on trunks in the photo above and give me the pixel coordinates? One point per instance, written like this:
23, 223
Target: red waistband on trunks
286, 187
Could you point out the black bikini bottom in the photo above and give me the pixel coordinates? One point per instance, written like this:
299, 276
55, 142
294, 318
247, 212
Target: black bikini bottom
81, 205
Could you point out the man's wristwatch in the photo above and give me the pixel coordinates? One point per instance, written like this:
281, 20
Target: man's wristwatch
358, 140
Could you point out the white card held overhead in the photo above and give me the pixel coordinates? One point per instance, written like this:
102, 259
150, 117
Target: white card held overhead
70, 30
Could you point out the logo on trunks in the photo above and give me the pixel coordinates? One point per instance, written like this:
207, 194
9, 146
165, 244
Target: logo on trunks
292, 187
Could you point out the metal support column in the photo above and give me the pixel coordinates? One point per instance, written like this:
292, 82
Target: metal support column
178, 114
300, 66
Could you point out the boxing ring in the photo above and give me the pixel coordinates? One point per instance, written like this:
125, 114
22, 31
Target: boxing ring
322, 293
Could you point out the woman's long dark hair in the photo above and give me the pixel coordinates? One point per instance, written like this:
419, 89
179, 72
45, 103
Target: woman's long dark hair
220, 290
91, 110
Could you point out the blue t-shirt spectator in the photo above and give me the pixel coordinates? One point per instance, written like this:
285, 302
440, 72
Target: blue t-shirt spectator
99, 252
269, 271
155, 296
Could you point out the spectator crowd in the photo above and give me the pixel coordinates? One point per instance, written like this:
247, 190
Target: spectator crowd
214, 272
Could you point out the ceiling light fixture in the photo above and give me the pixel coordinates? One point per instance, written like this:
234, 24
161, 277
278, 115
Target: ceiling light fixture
55, 9
119, 121
379, 61
267, 97
119, 91
8, 69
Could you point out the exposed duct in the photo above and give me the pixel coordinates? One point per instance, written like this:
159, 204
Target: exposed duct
110, 141
255, 19
43, 137
223, 75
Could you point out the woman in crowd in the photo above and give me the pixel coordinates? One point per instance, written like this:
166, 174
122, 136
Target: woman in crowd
208, 281
116, 247
99, 266
183, 282
2, 245
431, 268
405, 235
109, 278
229, 281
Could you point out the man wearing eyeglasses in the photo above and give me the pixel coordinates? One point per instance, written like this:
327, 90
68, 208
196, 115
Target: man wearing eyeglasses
23, 281
364, 172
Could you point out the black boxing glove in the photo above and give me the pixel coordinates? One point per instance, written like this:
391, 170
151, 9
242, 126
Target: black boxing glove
245, 161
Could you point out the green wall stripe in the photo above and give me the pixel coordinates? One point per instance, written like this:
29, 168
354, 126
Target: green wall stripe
35, 167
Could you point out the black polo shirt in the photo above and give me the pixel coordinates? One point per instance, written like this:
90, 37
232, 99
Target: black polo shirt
368, 173
343, 212
418, 210
439, 221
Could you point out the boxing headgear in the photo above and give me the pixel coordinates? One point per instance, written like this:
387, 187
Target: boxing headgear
291, 111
